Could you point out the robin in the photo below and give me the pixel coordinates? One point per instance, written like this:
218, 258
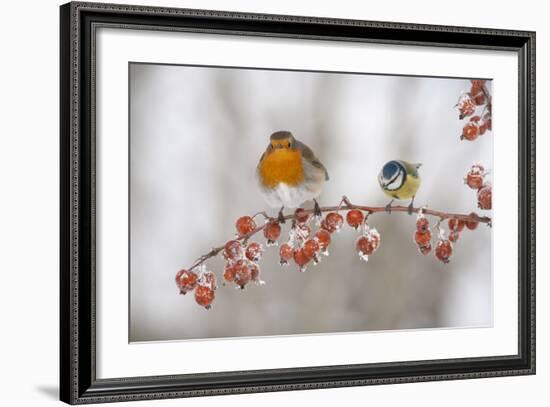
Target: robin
400, 180
289, 173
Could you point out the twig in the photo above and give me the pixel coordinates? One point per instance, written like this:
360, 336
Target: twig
346, 204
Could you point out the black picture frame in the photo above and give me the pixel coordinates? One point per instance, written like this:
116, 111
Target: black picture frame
78, 382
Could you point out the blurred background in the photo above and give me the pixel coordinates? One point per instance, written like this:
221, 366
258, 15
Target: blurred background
196, 135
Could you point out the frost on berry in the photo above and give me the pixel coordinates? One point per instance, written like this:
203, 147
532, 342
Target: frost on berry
423, 237
456, 225
311, 247
485, 197
422, 223
233, 250
301, 259
444, 250
472, 224
301, 216
208, 278
323, 237
229, 272
367, 244
354, 218
255, 273
303, 232
204, 296
243, 274
286, 253
474, 178
470, 131
272, 231
334, 221
245, 225
254, 251
186, 281
466, 106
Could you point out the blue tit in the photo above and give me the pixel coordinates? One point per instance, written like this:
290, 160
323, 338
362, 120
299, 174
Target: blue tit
400, 180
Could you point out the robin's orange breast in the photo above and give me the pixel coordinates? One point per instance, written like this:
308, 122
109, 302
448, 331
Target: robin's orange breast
282, 165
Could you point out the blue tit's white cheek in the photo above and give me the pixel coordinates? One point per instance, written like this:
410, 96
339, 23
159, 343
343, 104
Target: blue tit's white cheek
396, 183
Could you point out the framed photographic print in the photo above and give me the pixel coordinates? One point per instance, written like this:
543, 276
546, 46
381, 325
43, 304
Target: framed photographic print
255, 203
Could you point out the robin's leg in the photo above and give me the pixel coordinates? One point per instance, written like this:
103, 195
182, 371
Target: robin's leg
388, 206
410, 209
281, 217
316, 209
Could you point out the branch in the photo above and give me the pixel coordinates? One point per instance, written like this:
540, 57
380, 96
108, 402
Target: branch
347, 205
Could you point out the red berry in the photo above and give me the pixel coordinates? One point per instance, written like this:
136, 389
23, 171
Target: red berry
423, 237
208, 279
286, 253
366, 246
466, 106
474, 178
254, 251
243, 274
355, 218
425, 249
301, 216
334, 220
477, 86
456, 225
186, 281
245, 225
204, 296
470, 131
475, 119
483, 128
472, 224
323, 237
444, 250
232, 250
272, 231
229, 272
301, 258
479, 99
254, 272
485, 197
453, 236
422, 223
326, 226
311, 247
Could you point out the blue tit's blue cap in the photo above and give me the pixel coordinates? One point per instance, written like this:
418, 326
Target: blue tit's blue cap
390, 169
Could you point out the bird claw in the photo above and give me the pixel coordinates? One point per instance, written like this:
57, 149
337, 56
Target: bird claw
410, 209
281, 217
317, 210
388, 208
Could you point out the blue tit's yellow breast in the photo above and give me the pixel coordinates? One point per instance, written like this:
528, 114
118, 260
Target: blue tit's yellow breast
407, 190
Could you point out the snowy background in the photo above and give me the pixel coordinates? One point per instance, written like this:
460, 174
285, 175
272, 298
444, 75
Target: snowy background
196, 136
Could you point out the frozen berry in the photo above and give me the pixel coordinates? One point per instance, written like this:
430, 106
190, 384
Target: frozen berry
444, 250
229, 272
456, 225
204, 296
334, 221
243, 273
254, 272
301, 216
484, 197
480, 99
323, 237
425, 249
477, 86
286, 253
470, 131
453, 236
423, 237
466, 106
245, 225
474, 178
254, 251
483, 128
301, 259
311, 247
186, 281
374, 238
422, 223
355, 218
365, 246
327, 227
272, 231
232, 250
472, 224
